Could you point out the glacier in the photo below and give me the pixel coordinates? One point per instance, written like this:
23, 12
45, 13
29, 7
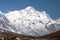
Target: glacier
28, 21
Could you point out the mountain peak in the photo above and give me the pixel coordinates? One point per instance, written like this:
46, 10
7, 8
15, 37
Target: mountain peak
30, 8
29, 13
29, 21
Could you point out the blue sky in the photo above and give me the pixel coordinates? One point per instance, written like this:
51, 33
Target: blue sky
52, 7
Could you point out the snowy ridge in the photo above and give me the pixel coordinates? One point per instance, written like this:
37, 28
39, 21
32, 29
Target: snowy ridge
29, 21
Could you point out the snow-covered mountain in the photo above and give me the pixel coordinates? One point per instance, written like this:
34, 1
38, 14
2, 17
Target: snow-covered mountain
29, 21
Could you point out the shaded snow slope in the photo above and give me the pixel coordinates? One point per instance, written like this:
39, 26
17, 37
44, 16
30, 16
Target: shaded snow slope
29, 21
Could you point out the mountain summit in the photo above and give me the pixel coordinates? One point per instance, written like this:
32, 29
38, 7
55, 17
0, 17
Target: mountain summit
30, 21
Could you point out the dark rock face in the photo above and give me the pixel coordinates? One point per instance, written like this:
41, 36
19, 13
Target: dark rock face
14, 36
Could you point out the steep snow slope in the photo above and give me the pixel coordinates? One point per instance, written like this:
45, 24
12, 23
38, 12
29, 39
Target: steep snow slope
3, 21
58, 20
28, 14
29, 21
5, 25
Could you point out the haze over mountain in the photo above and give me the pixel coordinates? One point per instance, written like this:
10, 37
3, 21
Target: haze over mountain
28, 21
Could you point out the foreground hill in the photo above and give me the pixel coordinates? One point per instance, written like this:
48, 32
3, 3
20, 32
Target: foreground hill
14, 36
